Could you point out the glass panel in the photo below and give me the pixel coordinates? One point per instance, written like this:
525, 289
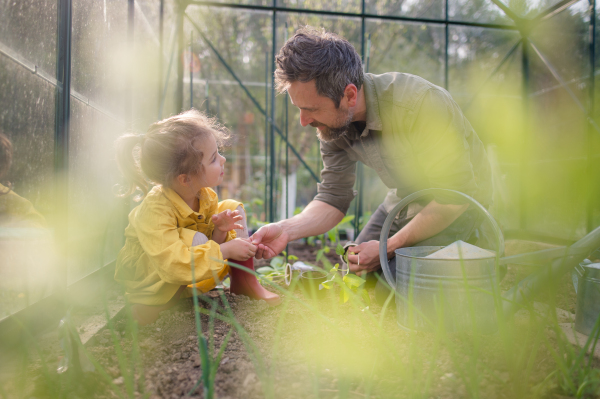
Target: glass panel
352, 6
348, 28
100, 53
146, 90
95, 213
27, 264
487, 12
492, 104
243, 39
28, 28
407, 47
251, 2
473, 54
559, 138
483, 11
410, 8
563, 43
167, 70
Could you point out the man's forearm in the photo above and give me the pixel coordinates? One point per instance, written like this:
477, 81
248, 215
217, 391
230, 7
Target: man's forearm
432, 219
317, 218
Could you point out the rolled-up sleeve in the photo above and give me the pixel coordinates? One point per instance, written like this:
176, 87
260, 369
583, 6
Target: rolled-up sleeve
338, 176
439, 140
167, 250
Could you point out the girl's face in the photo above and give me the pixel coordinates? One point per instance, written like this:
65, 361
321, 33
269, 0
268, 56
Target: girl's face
213, 163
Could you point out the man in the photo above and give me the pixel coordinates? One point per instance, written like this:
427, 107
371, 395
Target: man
407, 129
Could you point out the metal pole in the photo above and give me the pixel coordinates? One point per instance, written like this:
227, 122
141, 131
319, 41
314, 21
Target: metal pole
591, 180
129, 89
287, 170
266, 203
359, 166
446, 81
192, 70
523, 161
180, 48
218, 114
287, 162
161, 62
168, 75
206, 98
272, 139
61, 134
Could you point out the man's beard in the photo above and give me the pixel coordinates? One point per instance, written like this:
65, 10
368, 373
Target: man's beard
328, 133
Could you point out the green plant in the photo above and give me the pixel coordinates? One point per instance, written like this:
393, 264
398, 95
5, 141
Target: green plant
276, 269
206, 349
350, 283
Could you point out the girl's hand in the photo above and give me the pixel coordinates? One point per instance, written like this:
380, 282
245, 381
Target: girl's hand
226, 221
238, 249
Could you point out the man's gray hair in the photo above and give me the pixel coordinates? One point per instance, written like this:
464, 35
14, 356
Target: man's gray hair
323, 56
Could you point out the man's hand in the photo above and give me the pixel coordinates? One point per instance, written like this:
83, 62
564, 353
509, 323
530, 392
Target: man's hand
270, 240
227, 221
364, 257
238, 249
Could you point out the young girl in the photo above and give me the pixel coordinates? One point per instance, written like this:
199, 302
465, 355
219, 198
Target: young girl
181, 217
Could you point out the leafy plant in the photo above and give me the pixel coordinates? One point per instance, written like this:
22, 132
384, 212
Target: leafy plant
349, 283
275, 269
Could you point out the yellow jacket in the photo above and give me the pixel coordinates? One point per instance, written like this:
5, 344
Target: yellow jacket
16, 211
156, 258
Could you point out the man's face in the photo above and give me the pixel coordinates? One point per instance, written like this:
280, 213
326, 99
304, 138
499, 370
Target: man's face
319, 111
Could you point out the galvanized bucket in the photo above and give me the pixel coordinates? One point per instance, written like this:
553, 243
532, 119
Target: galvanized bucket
586, 279
458, 294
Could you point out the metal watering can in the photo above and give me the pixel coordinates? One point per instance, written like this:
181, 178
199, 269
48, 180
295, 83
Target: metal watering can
586, 279
460, 293
456, 291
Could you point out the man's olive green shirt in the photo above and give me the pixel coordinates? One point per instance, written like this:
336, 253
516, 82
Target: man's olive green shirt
416, 137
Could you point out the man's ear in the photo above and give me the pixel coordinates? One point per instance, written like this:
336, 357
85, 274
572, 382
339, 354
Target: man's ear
183, 179
351, 94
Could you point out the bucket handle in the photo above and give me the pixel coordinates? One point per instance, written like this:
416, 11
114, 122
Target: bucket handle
385, 230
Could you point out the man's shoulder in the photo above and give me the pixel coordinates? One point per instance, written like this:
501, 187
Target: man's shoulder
401, 89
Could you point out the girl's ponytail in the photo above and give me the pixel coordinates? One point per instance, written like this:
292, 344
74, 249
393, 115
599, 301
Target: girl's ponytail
128, 162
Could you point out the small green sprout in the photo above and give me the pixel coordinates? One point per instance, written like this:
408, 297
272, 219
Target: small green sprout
275, 270
349, 283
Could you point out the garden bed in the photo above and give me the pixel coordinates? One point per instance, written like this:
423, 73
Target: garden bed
304, 349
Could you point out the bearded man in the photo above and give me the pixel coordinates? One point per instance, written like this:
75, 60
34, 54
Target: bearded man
407, 129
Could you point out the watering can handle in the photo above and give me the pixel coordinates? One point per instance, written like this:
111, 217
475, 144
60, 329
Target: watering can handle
577, 273
385, 230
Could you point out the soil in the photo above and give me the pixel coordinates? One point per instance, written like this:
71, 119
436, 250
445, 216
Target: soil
304, 349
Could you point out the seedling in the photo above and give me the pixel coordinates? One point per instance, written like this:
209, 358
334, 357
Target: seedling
209, 363
349, 283
276, 269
